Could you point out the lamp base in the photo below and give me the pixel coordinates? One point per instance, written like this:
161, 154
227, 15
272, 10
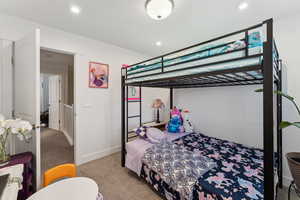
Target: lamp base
157, 117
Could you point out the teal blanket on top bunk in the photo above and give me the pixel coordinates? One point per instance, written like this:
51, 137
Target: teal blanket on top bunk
254, 40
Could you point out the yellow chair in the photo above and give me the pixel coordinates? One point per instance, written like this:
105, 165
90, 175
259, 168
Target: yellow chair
59, 172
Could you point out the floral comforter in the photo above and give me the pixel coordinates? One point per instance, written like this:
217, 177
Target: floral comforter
237, 175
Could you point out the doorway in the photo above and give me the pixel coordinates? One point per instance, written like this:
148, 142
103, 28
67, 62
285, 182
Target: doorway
57, 103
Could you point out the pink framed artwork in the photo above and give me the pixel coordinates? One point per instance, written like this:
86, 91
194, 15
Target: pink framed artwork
98, 75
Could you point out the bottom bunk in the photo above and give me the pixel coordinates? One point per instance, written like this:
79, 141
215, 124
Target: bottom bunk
196, 166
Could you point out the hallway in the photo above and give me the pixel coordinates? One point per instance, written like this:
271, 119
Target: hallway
55, 149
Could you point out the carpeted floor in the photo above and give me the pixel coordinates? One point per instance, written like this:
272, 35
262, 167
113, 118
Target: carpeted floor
117, 183
55, 149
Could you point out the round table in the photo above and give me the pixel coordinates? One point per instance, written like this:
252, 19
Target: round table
79, 188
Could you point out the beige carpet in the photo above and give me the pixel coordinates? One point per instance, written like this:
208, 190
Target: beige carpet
55, 149
117, 183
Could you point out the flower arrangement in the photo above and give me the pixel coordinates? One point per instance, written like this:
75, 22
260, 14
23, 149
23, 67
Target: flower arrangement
20, 128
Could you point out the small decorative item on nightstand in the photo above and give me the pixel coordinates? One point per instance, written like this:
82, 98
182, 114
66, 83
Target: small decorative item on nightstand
158, 104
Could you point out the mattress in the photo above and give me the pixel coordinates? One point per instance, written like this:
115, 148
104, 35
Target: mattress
222, 52
238, 173
135, 150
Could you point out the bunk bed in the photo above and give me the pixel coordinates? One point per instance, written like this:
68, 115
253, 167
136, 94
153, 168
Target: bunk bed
245, 57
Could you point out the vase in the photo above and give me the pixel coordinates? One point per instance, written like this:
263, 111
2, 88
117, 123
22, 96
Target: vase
294, 165
4, 156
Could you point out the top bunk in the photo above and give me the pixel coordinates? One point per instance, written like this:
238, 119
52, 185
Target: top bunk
232, 59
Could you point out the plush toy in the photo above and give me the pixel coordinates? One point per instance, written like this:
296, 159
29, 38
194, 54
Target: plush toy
187, 124
141, 132
175, 124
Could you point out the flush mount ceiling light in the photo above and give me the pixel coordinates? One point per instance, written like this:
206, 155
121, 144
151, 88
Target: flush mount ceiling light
159, 9
243, 5
75, 9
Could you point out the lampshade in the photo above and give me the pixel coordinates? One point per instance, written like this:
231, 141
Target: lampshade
158, 103
159, 9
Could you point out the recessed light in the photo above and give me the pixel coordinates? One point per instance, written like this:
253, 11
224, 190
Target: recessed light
158, 43
243, 5
75, 9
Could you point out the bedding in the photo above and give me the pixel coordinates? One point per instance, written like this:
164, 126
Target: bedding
150, 134
238, 171
136, 149
177, 166
155, 135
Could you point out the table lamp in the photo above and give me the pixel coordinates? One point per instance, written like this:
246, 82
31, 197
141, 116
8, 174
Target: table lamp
158, 104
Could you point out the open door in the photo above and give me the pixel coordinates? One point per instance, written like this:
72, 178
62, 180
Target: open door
27, 93
54, 102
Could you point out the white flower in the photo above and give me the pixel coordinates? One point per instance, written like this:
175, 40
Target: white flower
9, 124
2, 130
18, 127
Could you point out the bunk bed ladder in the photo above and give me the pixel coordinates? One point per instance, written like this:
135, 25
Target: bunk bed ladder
128, 100
124, 113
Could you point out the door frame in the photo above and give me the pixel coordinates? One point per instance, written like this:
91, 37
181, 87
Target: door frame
75, 142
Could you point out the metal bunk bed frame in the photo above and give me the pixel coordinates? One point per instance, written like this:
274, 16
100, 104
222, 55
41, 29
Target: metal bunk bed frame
270, 68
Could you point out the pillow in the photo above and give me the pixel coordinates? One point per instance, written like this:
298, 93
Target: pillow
141, 132
155, 135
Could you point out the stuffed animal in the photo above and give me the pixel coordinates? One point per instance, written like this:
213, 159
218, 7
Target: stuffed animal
187, 124
175, 124
141, 132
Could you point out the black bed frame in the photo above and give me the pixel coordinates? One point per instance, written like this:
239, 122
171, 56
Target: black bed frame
271, 71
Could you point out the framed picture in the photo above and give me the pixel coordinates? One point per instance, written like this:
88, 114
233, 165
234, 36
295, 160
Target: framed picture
98, 75
134, 94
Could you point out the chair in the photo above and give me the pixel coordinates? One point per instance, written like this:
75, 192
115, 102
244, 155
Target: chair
294, 165
59, 172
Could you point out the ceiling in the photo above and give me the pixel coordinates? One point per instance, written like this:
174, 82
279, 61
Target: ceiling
124, 22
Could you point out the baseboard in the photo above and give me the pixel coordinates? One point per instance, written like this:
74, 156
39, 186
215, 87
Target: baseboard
98, 155
70, 140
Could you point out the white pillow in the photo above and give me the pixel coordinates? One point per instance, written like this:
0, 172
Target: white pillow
155, 135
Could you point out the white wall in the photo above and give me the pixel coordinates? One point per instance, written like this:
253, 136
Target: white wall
6, 78
232, 113
101, 133
287, 36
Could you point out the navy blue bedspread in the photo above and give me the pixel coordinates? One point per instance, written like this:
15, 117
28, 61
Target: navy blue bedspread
238, 175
